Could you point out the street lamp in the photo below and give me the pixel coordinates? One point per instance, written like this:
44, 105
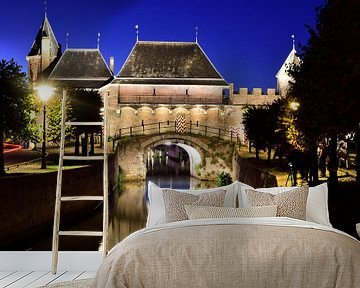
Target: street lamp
45, 92
294, 105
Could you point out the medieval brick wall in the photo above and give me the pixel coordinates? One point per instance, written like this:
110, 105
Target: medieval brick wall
217, 115
34, 67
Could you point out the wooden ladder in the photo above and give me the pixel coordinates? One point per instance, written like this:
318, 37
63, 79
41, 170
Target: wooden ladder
59, 198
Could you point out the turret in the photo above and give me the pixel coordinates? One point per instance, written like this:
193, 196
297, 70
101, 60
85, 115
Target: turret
282, 76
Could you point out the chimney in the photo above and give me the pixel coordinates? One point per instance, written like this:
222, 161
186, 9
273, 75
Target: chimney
112, 64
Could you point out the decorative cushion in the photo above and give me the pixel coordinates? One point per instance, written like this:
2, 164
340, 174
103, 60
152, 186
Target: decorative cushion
156, 207
317, 210
175, 202
201, 212
290, 204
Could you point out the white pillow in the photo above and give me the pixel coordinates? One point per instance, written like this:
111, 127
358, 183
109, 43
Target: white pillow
203, 212
156, 209
317, 209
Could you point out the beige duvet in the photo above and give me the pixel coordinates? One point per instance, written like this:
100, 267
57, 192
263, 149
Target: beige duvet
273, 252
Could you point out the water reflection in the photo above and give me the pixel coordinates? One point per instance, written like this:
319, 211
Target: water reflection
168, 167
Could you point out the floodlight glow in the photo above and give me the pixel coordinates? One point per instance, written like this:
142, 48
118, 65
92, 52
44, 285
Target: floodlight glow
294, 105
45, 92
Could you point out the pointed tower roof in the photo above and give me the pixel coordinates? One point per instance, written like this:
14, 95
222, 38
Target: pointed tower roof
168, 63
44, 31
292, 58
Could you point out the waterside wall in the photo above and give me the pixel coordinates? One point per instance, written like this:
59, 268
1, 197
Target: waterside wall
28, 201
244, 171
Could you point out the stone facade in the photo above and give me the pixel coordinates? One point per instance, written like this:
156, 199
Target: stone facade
167, 94
34, 67
220, 115
215, 154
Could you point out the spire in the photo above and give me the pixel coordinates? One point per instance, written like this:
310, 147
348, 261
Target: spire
98, 41
45, 7
282, 76
44, 46
45, 30
196, 33
137, 32
67, 40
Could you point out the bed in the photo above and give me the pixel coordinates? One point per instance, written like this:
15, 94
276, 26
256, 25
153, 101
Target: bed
229, 245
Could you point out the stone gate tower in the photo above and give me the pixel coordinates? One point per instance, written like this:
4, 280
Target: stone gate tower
44, 53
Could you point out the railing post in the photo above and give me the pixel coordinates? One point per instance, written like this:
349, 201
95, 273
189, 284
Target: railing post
231, 135
168, 122
175, 126
130, 131
143, 126
197, 123
190, 126
219, 133
120, 133
113, 144
205, 130
159, 128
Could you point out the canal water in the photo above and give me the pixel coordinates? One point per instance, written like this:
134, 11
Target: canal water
168, 167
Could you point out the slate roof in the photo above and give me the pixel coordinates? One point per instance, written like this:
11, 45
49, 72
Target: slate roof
168, 63
81, 68
45, 30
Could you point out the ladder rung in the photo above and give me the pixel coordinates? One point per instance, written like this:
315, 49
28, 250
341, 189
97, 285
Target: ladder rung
84, 123
81, 233
56, 233
83, 158
79, 198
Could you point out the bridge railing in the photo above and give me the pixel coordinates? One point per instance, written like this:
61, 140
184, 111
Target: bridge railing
174, 127
166, 99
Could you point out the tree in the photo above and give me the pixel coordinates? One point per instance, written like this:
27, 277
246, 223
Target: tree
54, 120
263, 128
275, 132
85, 105
17, 108
277, 128
325, 84
255, 130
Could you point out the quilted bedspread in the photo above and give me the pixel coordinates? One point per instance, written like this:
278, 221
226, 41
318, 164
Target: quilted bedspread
272, 252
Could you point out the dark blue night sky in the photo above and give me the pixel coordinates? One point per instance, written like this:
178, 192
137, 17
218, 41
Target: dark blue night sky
246, 40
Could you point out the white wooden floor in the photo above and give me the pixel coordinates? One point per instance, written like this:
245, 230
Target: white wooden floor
32, 279
32, 269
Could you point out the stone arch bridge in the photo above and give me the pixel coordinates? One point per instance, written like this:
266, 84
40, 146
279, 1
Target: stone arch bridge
211, 150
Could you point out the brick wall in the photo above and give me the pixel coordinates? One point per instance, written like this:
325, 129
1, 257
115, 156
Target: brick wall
218, 115
28, 201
